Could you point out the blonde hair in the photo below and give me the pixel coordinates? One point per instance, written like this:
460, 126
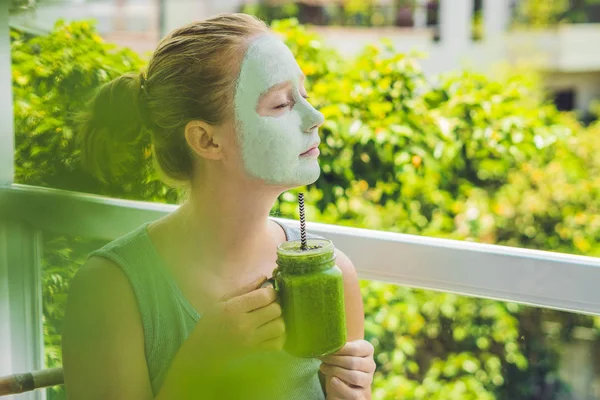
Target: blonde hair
189, 77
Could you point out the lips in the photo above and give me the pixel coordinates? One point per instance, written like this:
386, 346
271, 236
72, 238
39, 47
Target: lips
311, 148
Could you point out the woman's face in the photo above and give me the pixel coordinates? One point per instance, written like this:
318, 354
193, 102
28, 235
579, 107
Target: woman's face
275, 124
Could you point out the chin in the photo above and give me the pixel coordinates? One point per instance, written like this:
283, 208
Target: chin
306, 176
308, 179
314, 178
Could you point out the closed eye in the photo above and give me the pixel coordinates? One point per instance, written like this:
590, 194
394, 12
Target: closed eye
286, 105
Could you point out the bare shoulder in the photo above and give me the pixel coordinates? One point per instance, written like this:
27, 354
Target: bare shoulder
98, 268
344, 263
98, 286
103, 339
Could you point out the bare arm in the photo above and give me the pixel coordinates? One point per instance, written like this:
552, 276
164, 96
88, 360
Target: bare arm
355, 315
103, 339
355, 311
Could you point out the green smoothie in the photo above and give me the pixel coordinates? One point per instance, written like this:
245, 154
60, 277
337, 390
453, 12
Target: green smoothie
311, 294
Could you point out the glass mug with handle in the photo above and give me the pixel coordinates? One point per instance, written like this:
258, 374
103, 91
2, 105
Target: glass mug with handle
310, 290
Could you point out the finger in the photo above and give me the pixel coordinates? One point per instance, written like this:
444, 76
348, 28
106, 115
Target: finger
338, 390
275, 344
266, 314
270, 330
364, 364
357, 348
357, 378
244, 289
251, 301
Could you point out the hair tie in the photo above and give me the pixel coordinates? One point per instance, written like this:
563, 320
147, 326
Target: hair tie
142, 82
143, 96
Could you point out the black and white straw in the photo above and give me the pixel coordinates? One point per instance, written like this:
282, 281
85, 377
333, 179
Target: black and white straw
303, 245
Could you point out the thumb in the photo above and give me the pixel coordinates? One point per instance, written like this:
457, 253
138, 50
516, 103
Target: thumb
246, 288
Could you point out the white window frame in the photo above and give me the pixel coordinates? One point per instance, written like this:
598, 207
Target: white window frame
21, 335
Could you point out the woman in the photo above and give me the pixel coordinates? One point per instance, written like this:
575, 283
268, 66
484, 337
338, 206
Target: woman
167, 311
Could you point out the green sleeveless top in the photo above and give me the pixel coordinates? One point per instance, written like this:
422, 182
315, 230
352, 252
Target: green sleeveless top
168, 319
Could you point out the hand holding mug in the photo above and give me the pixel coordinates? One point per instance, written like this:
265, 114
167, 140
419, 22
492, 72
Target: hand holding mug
349, 371
245, 320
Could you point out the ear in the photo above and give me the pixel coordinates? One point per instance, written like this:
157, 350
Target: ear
200, 136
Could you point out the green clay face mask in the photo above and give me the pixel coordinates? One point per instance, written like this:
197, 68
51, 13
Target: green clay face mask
271, 145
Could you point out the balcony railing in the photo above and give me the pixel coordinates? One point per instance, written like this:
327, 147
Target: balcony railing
545, 279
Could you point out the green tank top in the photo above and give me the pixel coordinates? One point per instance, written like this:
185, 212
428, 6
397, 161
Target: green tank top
168, 318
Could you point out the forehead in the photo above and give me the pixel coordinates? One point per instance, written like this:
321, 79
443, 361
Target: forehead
268, 62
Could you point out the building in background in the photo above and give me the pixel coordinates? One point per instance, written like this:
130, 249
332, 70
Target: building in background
454, 33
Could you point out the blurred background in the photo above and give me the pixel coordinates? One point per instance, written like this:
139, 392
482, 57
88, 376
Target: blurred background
464, 119
554, 36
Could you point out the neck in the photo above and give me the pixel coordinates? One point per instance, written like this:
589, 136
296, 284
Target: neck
228, 224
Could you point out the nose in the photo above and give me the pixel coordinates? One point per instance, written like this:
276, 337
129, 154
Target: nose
312, 128
315, 121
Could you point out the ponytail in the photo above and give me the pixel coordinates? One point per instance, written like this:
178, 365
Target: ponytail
111, 130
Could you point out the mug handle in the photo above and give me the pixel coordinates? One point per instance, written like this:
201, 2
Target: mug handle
272, 281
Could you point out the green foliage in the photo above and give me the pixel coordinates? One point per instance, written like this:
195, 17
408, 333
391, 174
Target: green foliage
542, 13
17, 6
315, 59
464, 156
437, 346
548, 13
268, 12
347, 13
53, 77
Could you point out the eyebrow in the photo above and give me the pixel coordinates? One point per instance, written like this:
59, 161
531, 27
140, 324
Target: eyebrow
280, 85
284, 84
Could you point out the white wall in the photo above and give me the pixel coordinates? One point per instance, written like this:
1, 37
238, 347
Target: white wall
578, 47
496, 15
180, 12
586, 86
135, 16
